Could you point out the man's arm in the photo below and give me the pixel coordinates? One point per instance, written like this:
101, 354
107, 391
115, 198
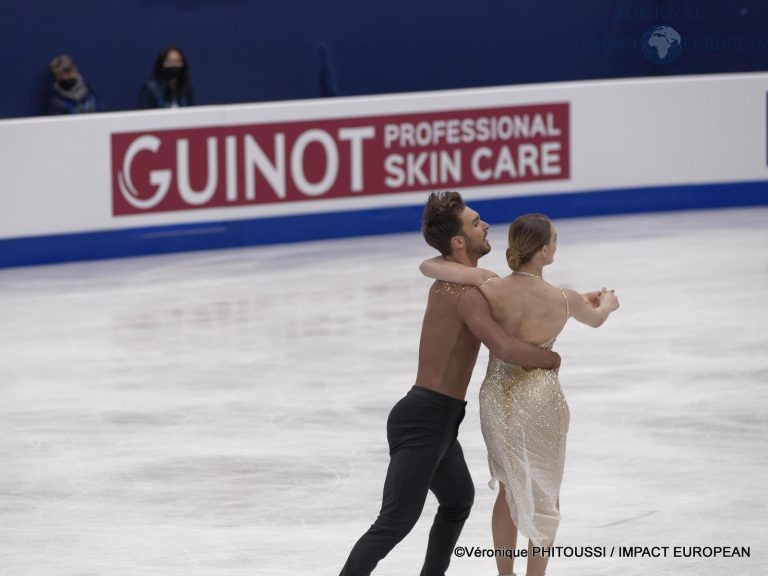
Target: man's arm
475, 312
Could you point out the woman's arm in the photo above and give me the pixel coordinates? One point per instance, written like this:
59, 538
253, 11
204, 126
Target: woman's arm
441, 269
593, 298
583, 309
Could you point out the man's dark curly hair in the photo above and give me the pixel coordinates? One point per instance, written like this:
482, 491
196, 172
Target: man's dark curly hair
442, 220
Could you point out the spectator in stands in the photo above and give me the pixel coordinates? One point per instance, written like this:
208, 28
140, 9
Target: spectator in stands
70, 93
169, 86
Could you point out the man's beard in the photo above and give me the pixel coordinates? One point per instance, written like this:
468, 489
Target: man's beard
478, 250
484, 250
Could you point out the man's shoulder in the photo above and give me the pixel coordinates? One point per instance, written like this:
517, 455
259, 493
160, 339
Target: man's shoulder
442, 288
460, 298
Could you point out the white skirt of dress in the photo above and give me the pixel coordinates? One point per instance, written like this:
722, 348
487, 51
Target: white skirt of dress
524, 418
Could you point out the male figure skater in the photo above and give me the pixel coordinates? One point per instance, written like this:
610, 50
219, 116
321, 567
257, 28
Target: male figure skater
422, 428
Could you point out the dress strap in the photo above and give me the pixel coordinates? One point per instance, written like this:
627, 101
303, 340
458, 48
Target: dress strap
567, 307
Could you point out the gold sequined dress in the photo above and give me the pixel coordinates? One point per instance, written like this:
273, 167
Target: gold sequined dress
524, 418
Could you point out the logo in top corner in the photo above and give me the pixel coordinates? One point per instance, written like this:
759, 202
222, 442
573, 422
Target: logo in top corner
662, 45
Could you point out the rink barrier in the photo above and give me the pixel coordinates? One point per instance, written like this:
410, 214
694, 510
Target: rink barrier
308, 227
136, 183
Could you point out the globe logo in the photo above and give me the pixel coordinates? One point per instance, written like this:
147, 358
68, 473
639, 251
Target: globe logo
661, 44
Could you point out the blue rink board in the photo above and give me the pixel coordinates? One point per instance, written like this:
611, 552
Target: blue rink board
298, 228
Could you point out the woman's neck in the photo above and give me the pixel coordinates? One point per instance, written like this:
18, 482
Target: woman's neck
531, 269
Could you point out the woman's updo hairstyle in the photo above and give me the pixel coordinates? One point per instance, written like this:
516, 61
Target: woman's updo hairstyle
527, 235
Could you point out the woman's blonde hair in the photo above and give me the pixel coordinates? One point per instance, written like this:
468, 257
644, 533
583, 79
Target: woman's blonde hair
527, 235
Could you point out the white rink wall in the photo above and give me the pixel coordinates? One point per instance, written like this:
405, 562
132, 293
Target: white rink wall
253, 170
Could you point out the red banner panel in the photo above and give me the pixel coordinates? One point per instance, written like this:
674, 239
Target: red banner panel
167, 170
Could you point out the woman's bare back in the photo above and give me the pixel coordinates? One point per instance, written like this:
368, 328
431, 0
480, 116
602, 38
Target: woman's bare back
528, 307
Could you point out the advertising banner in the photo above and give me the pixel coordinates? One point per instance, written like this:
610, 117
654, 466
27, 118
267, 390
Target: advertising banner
173, 170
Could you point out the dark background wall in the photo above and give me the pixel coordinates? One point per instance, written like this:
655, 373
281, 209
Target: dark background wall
248, 51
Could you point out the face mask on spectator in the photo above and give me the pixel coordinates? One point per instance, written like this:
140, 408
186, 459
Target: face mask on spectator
171, 72
67, 84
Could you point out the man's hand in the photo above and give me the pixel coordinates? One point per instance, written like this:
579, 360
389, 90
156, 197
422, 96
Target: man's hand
555, 363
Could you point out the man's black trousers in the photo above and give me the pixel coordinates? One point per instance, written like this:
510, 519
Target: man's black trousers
425, 454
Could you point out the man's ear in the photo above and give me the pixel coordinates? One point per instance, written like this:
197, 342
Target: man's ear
457, 242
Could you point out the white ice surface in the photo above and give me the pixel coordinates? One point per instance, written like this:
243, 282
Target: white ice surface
223, 413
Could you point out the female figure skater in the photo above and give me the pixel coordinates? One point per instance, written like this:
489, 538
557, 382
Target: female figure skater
523, 413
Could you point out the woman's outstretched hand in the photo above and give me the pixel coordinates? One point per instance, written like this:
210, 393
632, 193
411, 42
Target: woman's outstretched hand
609, 298
593, 298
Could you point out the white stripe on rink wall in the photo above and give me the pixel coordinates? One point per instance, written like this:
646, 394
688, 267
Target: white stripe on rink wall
56, 174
